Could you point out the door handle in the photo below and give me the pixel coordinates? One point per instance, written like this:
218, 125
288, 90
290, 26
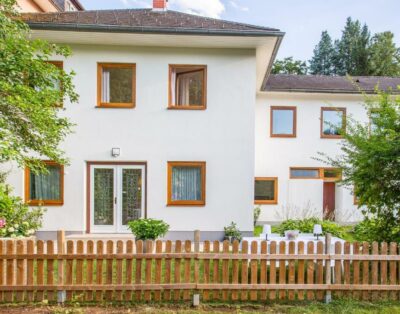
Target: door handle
115, 200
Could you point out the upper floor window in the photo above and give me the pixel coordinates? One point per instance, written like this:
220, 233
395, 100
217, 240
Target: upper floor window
187, 87
283, 121
305, 173
186, 183
266, 190
45, 188
116, 85
333, 122
56, 84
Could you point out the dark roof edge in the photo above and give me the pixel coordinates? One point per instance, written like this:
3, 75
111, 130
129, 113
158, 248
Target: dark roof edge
78, 5
322, 91
271, 62
154, 30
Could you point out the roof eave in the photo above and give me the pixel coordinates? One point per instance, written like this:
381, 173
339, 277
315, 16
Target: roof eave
319, 91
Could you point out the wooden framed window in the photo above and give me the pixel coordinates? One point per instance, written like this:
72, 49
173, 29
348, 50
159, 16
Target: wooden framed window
333, 122
56, 83
305, 173
186, 183
266, 190
45, 188
283, 121
116, 85
331, 174
187, 87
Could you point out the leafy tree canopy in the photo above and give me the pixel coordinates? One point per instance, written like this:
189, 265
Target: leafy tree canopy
384, 55
322, 61
289, 66
30, 100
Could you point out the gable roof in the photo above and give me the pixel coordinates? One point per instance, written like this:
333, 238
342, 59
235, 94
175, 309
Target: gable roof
143, 20
329, 84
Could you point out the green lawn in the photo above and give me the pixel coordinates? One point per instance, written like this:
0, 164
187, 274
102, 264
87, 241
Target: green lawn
336, 307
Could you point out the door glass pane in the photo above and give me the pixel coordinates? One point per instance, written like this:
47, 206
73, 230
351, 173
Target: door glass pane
103, 196
131, 194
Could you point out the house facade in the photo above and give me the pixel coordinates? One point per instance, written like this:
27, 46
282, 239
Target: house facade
179, 119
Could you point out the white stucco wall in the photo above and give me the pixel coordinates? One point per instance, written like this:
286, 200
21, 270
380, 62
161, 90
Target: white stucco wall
274, 156
222, 135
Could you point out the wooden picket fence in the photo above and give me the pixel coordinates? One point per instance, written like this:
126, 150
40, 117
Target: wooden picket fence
175, 271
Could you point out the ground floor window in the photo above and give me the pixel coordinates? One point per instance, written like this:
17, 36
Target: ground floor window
186, 183
266, 190
45, 188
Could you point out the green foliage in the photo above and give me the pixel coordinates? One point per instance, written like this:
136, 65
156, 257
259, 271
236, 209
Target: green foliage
20, 220
232, 232
322, 61
370, 158
148, 229
289, 66
384, 56
30, 124
377, 229
307, 226
256, 214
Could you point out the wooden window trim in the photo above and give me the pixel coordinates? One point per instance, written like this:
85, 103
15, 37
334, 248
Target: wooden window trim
202, 166
322, 122
100, 104
268, 202
329, 179
44, 202
292, 108
203, 68
305, 168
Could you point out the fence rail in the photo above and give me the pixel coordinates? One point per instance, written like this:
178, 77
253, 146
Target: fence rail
174, 271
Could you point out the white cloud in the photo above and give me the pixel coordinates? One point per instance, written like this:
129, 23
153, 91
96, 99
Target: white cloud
236, 6
210, 8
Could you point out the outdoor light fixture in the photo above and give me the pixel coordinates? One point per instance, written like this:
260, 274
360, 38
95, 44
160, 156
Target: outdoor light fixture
317, 231
115, 152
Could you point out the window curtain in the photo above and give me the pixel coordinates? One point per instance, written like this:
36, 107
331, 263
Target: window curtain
105, 88
186, 183
173, 88
183, 82
46, 186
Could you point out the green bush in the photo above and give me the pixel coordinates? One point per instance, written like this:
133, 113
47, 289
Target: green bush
148, 229
307, 226
377, 229
17, 219
232, 232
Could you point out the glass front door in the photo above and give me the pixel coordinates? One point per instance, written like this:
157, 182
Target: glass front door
116, 196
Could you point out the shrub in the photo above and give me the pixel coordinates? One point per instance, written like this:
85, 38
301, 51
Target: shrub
232, 232
256, 212
17, 219
377, 229
307, 226
148, 229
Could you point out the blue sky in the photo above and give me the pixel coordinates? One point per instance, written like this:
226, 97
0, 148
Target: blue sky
302, 20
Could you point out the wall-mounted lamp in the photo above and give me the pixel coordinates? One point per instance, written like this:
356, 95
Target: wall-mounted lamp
115, 152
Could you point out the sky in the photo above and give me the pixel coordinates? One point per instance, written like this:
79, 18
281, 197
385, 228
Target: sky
301, 20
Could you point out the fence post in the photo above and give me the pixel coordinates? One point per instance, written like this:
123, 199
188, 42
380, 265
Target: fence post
196, 295
328, 242
61, 294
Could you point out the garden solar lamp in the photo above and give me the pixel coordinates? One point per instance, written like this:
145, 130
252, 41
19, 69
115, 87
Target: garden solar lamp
267, 231
317, 231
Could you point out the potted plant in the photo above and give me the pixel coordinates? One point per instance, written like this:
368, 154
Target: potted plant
232, 233
148, 229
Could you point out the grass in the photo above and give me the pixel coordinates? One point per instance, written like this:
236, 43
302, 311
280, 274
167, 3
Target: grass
336, 307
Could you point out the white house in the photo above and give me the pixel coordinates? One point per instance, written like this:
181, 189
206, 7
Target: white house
174, 123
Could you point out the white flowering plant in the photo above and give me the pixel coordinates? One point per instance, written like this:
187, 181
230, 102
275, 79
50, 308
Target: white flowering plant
16, 218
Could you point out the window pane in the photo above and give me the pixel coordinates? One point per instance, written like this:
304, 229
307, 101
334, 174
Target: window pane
46, 186
304, 173
282, 121
103, 196
117, 85
264, 190
186, 184
333, 122
331, 173
131, 194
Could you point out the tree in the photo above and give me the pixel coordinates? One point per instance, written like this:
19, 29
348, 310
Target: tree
322, 60
384, 56
351, 51
289, 66
31, 128
370, 161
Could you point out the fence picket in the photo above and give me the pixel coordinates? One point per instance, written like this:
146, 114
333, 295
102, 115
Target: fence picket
292, 274
383, 266
272, 271
8, 297
338, 269
89, 269
254, 270
300, 270
120, 250
206, 268
392, 270
158, 270
215, 295
346, 268
282, 269
128, 269
30, 247
263, 271
235, 269
69, 269
245, 267
375, 271
320, 270
177, 270
356, 269
99, 269
186, 274
109, 270
225, 270
148, 269
310, 270
39, 270
365, 270
138, 266
50, 270
2, 273
167, 277
20, 270
79, 295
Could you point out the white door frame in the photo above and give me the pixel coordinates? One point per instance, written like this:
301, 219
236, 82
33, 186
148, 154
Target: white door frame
117, 167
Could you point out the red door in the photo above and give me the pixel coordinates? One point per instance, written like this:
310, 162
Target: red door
329, 200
